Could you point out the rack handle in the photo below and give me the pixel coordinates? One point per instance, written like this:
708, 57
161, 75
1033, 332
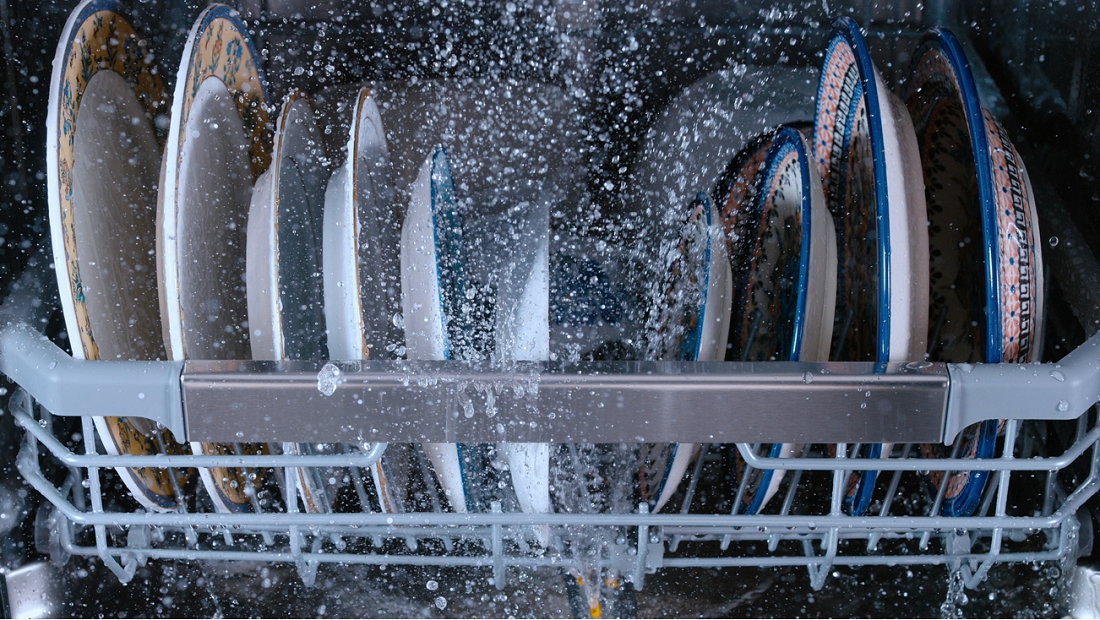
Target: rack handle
68, 386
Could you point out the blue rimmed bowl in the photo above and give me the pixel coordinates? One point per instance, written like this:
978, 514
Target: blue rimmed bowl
986, 266
783, 246
865, 151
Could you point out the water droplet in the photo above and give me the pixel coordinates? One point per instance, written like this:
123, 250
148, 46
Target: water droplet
440, 602
1053, 241
432, 585
807, 377
1063, 406
1058, 376
399, 320
327, 379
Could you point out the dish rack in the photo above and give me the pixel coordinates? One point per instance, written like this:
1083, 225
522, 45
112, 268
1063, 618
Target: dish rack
1031, 511
908, 404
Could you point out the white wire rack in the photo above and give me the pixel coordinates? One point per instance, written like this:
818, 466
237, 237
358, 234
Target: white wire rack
807, 526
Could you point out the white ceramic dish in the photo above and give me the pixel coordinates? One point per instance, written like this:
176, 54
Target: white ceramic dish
361, 264
866, 153
691, 322
283, 265
523, 334
219, 142
101, 148
431, 284
987, 270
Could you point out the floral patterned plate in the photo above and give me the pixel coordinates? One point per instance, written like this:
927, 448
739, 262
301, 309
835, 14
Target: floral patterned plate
103, 135
219, 142
784, 245
866, 154
986, 265
691, 323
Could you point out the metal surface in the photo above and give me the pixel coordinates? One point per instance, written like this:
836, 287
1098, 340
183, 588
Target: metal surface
600, 402
36, 590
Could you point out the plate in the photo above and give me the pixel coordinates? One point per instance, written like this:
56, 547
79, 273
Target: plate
704, 127
219, 142
432, 287
986, 263
522, 333
784, 245
690, 323
865, 150
362, 265
102, 140
283, 264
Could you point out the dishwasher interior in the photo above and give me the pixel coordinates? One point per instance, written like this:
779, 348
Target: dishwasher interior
617, 72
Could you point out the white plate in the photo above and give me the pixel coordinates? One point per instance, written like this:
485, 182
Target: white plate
283, 264
101, 152
219, 142
361, 263
523, 334
430, 284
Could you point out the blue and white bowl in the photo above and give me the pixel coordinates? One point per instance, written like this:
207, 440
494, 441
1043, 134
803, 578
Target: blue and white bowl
690, 323
783, 245
986, 265
866, 153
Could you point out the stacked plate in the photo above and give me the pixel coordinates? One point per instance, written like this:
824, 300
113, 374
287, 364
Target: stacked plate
885, 230
412, 221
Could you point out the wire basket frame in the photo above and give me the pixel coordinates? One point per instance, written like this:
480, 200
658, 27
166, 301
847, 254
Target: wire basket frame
796, 532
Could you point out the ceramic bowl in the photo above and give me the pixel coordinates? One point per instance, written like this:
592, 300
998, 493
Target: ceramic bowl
865, 151
784, 249
690, 323
986, 264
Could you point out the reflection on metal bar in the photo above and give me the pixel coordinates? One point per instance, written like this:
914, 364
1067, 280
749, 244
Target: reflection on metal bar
599, 402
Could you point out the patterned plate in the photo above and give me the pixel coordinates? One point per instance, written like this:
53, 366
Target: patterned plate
219, 142
986, 265
362, 266
283, 264
691, 323
867, 156
102, 140
784, 245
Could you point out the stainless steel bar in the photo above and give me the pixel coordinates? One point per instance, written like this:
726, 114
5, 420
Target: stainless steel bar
598, 402
694, 402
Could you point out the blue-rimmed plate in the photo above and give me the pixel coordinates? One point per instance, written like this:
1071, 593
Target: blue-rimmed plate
690, 322
866, 154
783, 244
986, 265
432, 293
